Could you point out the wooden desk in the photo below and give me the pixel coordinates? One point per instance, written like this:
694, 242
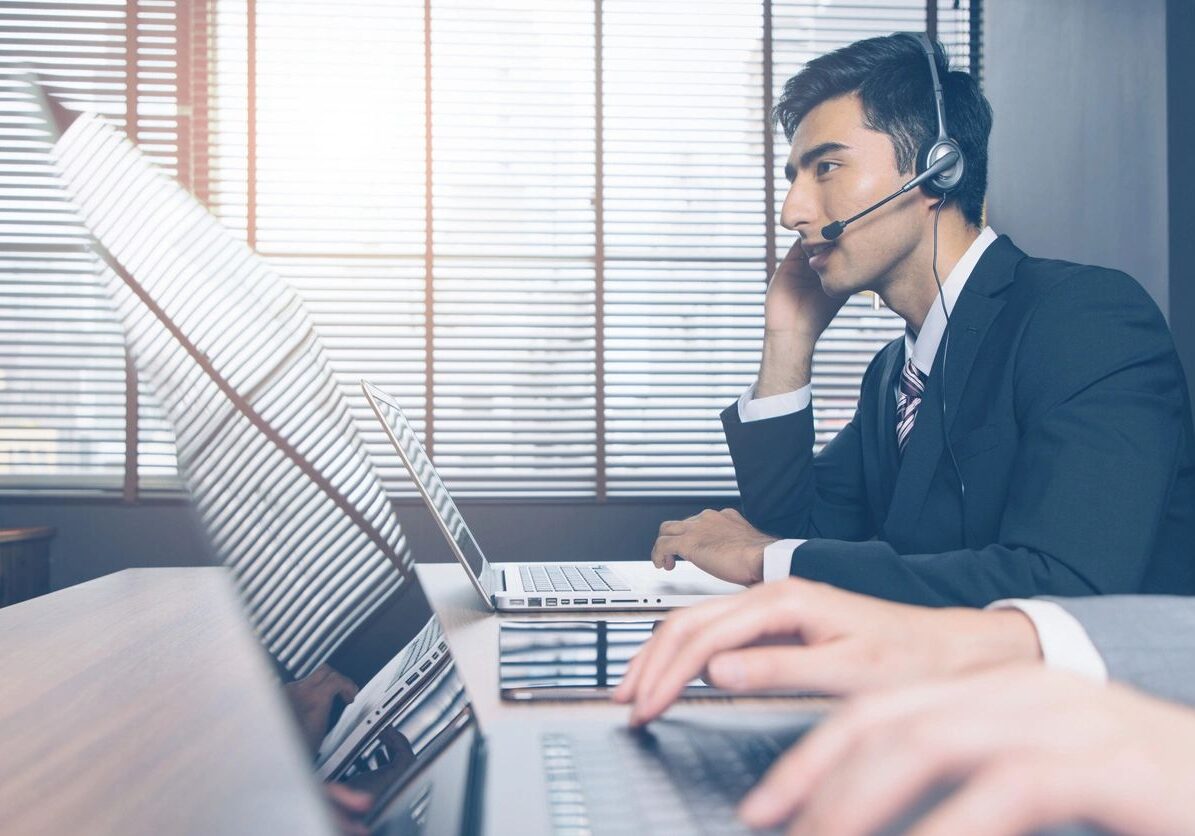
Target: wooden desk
473, 638
142, 703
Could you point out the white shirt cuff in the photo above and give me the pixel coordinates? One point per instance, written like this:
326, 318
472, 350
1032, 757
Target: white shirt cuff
1064, 643
752, 408
778, 559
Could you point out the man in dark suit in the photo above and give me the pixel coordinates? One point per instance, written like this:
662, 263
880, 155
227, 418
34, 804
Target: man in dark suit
1070, 465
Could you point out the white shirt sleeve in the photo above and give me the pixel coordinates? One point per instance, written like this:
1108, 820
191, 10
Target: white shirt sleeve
1065, 645
752, 408
778, 558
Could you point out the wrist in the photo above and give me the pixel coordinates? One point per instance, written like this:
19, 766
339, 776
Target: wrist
992, 638
755, 561
786, 364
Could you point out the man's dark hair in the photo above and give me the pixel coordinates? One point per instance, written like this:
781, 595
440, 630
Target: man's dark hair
892, 79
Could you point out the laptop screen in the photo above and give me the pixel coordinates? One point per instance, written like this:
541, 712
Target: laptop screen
419, 465
388, 715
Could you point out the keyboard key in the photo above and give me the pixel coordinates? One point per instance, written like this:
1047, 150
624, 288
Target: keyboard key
675, 780
594, 580
576, 582
614, 582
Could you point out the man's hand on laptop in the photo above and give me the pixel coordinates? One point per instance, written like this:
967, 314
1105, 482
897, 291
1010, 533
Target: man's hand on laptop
798, 635
1027, 748
721, 543
311, 698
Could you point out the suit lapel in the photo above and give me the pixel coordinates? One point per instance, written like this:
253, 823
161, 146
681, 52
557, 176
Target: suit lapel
973, 314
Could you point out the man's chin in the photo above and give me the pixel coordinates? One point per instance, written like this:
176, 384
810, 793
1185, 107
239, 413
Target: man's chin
836, 286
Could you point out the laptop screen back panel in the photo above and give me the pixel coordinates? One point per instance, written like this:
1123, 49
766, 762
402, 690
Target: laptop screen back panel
433, 490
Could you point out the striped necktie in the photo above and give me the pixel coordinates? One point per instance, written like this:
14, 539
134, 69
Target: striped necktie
912, 387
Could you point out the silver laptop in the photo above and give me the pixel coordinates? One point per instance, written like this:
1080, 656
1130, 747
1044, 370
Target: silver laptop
634, 585
412, 739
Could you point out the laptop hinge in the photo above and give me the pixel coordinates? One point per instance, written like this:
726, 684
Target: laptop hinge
498, 576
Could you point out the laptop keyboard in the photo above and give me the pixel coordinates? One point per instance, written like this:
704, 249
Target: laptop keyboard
672, 778
566, 577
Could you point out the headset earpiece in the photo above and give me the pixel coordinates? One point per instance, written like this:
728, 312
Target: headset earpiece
940, 181
948, 180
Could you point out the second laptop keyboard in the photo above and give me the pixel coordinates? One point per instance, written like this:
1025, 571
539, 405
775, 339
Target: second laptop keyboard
568, 578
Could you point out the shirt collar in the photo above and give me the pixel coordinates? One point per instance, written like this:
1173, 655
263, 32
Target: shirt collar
923, 347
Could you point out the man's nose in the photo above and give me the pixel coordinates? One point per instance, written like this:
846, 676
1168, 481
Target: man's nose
798, 212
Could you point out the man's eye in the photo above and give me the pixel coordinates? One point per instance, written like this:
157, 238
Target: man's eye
825, 167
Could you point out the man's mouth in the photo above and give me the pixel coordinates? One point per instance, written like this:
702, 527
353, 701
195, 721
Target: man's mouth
817, 253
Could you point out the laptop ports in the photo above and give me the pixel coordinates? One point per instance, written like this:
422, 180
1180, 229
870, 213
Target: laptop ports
535, 602
551, 602
599, 600
580, 600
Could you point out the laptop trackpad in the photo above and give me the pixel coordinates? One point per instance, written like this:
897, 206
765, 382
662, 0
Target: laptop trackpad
685, 579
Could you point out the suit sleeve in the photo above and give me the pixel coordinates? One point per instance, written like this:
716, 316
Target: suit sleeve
788, 492
1100, 404
1147, 641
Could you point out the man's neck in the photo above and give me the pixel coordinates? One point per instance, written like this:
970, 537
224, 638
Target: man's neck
911, 289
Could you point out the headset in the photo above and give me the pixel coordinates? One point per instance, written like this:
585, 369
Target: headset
940, 169
940, 161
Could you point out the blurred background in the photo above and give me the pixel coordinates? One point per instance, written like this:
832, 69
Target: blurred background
544, 226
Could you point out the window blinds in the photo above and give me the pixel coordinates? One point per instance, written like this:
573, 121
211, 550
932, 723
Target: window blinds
542, 225
64, 381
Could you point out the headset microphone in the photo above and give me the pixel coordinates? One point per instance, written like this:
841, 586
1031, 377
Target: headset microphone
831, 231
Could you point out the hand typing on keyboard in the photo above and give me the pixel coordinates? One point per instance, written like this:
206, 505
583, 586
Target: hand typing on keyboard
1027, 748
795, 634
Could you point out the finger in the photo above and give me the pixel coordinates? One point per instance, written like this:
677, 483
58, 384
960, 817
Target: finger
669, 631
756, 614
667, 635
665, 547
346, 688
1018, 794
790, 780
625, 689
882, 776
348, 799
671, 527
672, 633
824, 669
683, 620
677, 628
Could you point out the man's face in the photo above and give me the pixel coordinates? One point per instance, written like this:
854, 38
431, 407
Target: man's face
838, 167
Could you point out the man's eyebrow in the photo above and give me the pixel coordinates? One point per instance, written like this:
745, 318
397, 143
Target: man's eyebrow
817, 151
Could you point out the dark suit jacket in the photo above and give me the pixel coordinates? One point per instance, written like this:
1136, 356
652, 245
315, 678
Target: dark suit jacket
1068, 413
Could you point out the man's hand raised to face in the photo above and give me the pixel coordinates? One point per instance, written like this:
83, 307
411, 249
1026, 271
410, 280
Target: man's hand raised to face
721, 543
838, 642
796, 312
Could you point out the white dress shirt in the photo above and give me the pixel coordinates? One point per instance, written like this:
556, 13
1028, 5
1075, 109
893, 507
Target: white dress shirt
1064, 643
1063, 640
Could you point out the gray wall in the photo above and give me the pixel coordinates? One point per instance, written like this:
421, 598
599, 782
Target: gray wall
1078, 151
1180, 71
